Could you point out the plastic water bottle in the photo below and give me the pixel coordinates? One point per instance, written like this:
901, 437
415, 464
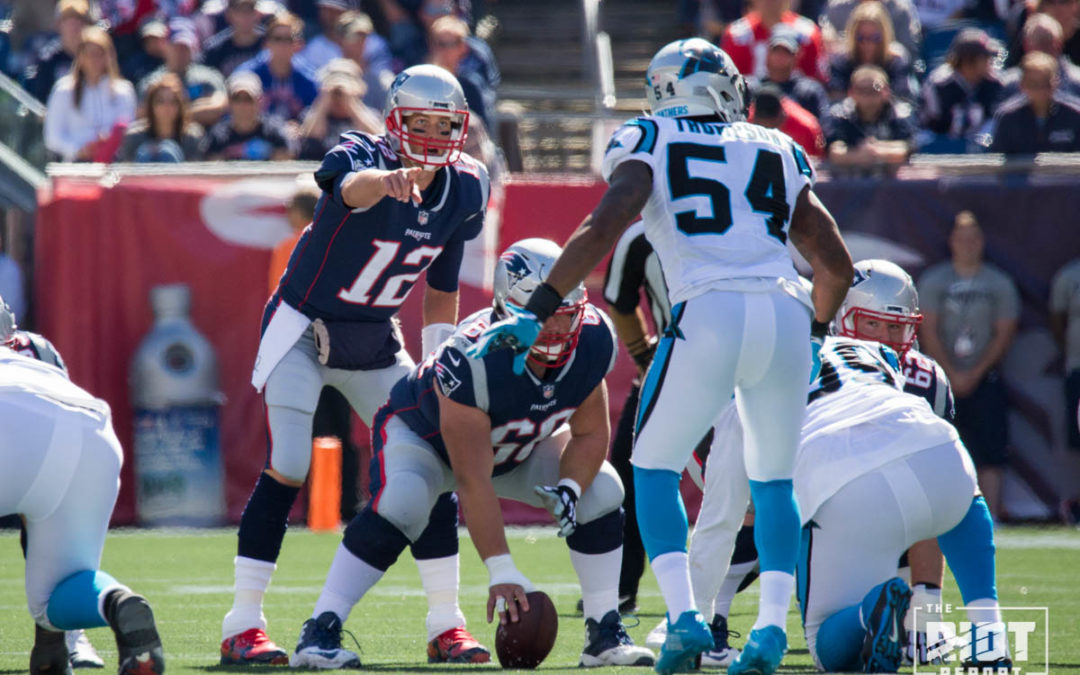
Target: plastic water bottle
179, 478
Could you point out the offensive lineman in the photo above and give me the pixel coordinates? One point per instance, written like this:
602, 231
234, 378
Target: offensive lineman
720, 198
471, 425
61, 474
393, 207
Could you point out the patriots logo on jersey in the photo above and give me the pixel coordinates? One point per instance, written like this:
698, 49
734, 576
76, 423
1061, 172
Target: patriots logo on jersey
447, 380
516, 267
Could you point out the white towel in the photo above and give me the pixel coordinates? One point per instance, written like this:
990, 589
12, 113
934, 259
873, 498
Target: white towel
285, 328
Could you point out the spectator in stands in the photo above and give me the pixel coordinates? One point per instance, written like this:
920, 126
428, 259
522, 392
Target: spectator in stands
746, 39
1042, 33
246, 133
960, 96
449, 49
338, 108
204, 86
1042, 119
150, 56
359, 43
714, 16
774, 110
780, 70
905, 21
238, 43
89, 107
1067, 13
166, 132
970, 314
408, 28
12, 290
325, 46
55, 58
869, 41
869, 128
1065, 325
289, 84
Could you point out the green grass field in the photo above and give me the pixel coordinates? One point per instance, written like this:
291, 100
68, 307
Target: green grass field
187, 575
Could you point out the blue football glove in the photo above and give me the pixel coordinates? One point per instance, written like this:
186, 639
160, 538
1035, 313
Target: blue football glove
517, 332
561, 502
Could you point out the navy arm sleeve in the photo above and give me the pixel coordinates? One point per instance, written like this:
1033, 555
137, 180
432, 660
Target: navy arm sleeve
349, 155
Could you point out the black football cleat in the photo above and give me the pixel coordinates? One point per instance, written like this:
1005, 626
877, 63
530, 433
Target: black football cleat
137, 641
50, 653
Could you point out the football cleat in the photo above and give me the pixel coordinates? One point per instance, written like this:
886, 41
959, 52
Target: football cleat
886, 639
138, 644
686, 639
607, 644
320, 645
80, 652
722, 654
252, 647
457, 645
655, 638
49, 655
764, 650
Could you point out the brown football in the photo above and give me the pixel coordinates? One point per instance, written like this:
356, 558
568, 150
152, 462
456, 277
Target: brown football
527, 643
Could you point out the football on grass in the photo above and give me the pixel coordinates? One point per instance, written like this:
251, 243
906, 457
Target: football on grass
527, 643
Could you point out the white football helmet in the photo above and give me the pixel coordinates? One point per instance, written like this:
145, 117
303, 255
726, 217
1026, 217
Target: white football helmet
695, 77
433, 91
7, 322
884, 292
520, 270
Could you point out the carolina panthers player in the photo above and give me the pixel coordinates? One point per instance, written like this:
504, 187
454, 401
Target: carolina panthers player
61, 473
720, 198
472, 425
36, 346
393, 207
881, 305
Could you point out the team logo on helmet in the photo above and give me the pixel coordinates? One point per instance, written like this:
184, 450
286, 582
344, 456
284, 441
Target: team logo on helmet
516, 266
704, 61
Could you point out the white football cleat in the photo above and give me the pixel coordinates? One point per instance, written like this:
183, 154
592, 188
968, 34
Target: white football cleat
657, 636
81, 653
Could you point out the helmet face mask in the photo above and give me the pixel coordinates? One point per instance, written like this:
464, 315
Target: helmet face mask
695, 77
433, 92
882, 305
519, 271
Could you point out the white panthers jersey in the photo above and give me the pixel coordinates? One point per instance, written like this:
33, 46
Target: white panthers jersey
858, 419
721, 201
22, 375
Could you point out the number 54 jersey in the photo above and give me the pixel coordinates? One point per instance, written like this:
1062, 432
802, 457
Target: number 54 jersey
721, 200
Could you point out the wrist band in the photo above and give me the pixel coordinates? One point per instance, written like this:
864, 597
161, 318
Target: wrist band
572, 484
543, 302
819, 329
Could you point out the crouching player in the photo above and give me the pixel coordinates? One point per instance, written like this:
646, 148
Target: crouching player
472, 425
61, 473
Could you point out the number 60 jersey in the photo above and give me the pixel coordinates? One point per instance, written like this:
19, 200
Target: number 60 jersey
721, 201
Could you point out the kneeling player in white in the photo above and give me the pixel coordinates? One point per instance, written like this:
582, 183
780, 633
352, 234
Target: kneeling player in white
81, 653
472, 425
61, 473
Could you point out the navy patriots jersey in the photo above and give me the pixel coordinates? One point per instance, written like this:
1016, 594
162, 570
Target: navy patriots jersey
524, 409
360, 264
924, 377
36, 347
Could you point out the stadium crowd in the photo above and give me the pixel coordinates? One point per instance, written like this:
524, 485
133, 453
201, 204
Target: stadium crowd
858, 82
168, 81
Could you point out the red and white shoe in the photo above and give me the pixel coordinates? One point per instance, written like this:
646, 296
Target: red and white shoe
252, 647
457, 645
